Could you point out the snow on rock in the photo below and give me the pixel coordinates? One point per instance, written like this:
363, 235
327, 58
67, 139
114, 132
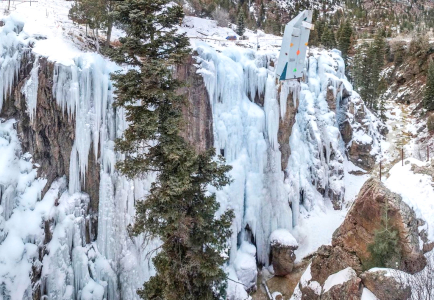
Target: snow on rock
306, 282
368, 295
276, 296
339, 278
245, 265
21, 212
415, 189
283, 237
235, 289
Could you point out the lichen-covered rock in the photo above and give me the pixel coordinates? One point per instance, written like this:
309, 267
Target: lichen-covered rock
342, 285
384, 285
283, 245
365, 217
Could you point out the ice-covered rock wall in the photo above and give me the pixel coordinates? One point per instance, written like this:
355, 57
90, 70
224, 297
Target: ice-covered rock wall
284, 141
47, 247
250, 112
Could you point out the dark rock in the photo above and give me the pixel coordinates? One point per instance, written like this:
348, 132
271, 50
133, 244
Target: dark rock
197, 114
360, 155
346, 131
428, 247
285, 129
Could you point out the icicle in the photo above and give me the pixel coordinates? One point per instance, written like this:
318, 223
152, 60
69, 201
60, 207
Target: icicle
74, 175
271, 112
30, 89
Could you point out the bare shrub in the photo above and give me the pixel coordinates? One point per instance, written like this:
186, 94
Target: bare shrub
221, 16
422, 283
419, 45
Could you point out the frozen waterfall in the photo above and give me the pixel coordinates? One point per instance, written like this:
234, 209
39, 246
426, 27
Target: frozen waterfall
250, 108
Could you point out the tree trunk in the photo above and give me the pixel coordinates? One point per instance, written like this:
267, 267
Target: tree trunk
109, 34
95, 33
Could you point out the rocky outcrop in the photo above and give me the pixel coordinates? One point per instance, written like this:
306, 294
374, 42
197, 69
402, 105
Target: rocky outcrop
353, 128
342, 285
384, 285
50, 136
366, 216
285, 129
330, 260
197, 113
283, 245
349, 250
426, 170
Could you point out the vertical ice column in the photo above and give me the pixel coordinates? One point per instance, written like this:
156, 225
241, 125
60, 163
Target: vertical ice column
30, 89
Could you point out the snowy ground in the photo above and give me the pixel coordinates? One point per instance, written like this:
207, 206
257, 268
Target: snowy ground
417, 190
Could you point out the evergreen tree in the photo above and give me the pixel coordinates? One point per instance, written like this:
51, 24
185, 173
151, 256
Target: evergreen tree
97, 14
428, 98
385, 250
240, 24
328, 38
177, 211
368, 64
344, 36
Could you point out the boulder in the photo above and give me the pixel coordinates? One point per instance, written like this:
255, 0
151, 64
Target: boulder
283, 245
360, 154
342, 285
366, 216
346, 131
307, 288
330, 260
384, 285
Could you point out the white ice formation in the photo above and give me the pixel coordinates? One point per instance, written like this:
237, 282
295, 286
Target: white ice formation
50, 234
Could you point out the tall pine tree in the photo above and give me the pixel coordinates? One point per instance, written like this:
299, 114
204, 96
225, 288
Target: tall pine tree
368, 62
328, 37
240, 24
177, 211
344, 36
428, 98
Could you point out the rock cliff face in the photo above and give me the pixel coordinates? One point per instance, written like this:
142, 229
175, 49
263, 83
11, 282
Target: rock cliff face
349, 248
366, 216
285, 128
281, 138
354, 122
49, 132
385, 286
197, 113
50, 135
